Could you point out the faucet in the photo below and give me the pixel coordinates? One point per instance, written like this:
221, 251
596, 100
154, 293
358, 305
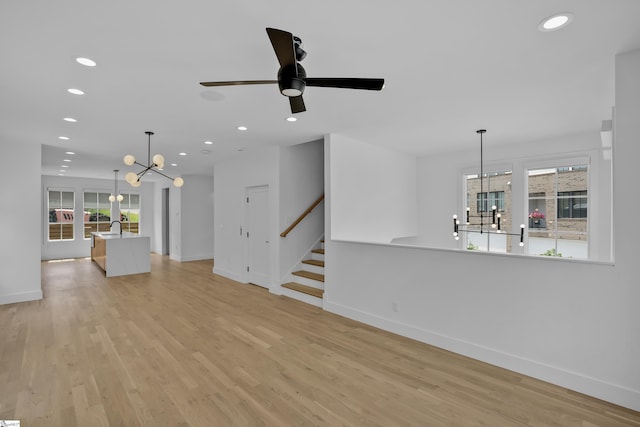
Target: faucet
113, 222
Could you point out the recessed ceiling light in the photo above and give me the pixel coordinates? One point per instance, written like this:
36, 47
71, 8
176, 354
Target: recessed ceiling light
66, 160
555, 22
208, 142
174, 164
205, 151
60, 174
182, 154
64, 166
61, 170
65, 138
241, 128
292, 119
70, 153
69, 119
86, 61
75, 91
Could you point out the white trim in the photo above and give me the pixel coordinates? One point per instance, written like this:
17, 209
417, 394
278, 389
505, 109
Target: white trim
21, 297
200, 257
575, 381
228, 274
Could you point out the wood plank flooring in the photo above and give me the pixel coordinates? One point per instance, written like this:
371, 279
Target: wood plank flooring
181, 346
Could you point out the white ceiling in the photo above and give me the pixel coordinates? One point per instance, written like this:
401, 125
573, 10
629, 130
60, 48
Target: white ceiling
451, 67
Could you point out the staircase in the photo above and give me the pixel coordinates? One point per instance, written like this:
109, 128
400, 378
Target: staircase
307, 280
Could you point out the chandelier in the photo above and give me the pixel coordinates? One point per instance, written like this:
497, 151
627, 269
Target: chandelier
116, 196
492, 220
156, 166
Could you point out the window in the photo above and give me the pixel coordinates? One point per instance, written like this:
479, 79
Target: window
572, 204
130, 213
97, 212
557, 217
496, 198
495, 190
60, 206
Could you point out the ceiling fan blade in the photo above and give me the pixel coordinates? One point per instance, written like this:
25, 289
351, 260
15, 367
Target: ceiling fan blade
282, 42
346, 83
297, 104
239, 82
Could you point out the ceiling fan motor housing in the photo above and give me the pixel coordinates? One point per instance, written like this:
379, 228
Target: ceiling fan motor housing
292, 84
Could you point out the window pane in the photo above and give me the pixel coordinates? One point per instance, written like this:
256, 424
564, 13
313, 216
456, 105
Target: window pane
97, 212
496, 191
130, 213
60, 213
558, 212
103, 200
135, 201
90, 200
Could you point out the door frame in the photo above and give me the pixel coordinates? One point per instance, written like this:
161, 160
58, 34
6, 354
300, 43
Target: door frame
248, 191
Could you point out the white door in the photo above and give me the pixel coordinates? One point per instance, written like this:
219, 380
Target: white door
257, 235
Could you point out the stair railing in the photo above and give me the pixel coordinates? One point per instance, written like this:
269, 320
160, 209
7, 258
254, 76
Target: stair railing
301, 217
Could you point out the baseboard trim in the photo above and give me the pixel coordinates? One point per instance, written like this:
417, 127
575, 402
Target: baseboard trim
21, 297
228, 274
581, 383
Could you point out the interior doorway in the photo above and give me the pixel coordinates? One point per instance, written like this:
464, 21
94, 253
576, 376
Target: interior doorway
165, 222
257, 235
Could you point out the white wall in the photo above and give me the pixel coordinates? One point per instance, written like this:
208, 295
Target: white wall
192, 223
80, 247
576, 324
301, 183
20, 222
231, 179
373, 192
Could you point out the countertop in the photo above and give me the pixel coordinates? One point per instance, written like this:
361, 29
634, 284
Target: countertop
110, 235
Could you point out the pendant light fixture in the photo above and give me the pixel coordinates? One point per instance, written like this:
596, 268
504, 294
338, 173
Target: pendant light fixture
115, 196
492, 227
158, 163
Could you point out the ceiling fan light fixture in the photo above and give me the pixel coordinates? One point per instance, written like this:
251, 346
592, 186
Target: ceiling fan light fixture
292, 77
291, 92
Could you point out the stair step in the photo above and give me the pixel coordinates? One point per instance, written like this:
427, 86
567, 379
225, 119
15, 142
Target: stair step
318, 251
315, 262
304, 289
309, 275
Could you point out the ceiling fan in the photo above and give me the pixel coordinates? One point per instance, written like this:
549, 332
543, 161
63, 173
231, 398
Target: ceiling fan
292, 78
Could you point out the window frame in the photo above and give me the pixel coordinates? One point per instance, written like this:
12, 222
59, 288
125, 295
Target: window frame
60, 208
126, 224
561, 164
98, 223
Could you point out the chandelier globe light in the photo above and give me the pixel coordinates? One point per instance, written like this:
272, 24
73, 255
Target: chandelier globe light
116, 195
155, 164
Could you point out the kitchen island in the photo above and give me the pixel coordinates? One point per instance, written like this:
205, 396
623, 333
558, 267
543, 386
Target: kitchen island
120, 254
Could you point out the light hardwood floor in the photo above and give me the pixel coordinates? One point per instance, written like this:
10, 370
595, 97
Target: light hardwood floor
181, 346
